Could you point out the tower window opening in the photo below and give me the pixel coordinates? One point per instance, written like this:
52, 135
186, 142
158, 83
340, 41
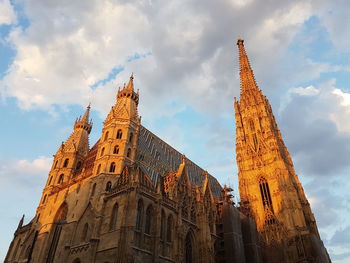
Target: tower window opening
106, 136
169, 228
93, 189
85, 232
108, 186
116, 149
44, 199
139, 215
98, 169
65, 164
78, 165
113, 220
128, 154
162, 226
131, 137
148, 219
50, 180
102, 151
119, 134
112, 168
60, 179
265, 193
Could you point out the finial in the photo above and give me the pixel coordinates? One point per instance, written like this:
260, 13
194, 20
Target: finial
132, 75
240, 41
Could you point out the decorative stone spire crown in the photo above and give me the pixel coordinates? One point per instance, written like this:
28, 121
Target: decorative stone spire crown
128, 91
84, 122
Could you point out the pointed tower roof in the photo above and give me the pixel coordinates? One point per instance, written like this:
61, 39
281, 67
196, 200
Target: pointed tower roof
246, 73
84, 122
130, 85
128, 91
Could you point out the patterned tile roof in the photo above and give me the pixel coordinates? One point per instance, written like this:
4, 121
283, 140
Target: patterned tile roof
157, 158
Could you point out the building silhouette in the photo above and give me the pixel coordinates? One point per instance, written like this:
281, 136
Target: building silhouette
133, 198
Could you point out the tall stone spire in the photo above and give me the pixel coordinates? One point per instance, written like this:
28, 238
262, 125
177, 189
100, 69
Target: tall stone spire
84, 122
269, 188
246, 73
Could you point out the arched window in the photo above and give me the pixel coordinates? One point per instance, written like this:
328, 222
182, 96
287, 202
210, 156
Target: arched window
44, 199
128, 154
162, 225
84, 233
78, 165
169, 228
61, 214
93, 189
106, 136
113, 221
55, 164
116, 149
265, 193
131, 137
102, 151
50, 180
60, 179
148, 219
139, 215
98, 169
188, 248
112, 168
65, 164
108, 186
119, 134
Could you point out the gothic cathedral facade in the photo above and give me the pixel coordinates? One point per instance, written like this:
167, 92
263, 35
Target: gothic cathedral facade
134, 198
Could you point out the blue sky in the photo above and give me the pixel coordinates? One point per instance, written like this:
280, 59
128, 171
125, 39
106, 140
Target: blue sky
57, 56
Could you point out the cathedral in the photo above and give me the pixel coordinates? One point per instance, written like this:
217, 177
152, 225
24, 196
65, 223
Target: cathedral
132, 197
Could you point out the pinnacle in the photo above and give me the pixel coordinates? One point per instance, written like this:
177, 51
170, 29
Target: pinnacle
130, 85
86, 114
246, 72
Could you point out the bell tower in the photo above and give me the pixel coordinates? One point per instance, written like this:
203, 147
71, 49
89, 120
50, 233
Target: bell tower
270, 190
117, 145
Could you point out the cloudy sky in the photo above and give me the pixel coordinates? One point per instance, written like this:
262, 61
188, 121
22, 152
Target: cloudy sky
57, 56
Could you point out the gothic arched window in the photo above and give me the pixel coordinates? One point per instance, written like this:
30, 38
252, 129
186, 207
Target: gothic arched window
93, 189
188, 248
50, 180
98, 169
113, 220
265, 193
148, 219
106, 136
139, 215
78, 165
108, 186
119, 134
169, 228
44, 199
102, 151
128, 153
131, 137
116, 149
84, 233
60, 179
162, 225
112, 168
65, 164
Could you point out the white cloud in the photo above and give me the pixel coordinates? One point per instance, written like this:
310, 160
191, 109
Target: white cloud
7, 13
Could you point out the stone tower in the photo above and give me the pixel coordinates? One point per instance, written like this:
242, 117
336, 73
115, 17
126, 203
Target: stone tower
269, 188
117, 146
